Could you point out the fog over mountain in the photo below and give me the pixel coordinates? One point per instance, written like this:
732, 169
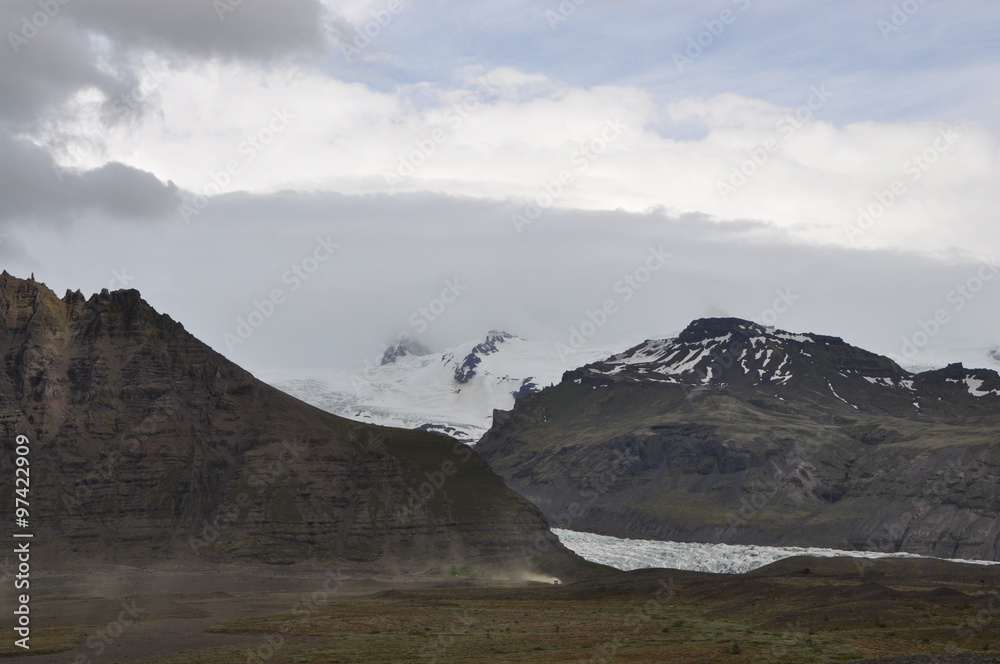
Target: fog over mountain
326, 172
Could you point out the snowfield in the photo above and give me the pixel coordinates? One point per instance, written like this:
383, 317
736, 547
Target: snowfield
630, 554
422, 391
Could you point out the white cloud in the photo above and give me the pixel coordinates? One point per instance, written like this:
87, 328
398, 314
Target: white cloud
488, 139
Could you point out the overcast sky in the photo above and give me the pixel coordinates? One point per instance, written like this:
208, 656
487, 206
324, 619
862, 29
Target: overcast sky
300, 182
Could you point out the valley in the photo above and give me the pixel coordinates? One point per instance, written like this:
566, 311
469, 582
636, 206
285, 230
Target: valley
796, 611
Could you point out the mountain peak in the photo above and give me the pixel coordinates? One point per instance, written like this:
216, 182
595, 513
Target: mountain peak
467, 369
499, 337
406, 348
739, 356
713, 328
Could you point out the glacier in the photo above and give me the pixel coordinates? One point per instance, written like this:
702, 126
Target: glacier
632, 554
424, 391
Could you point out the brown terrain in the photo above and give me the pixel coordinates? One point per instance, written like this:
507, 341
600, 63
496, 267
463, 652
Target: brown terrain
797, 611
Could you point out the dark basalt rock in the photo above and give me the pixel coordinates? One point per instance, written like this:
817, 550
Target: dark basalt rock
738, 433
148, 445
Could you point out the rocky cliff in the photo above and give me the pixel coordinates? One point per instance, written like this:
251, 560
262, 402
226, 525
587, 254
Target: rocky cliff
737, 433
146, 444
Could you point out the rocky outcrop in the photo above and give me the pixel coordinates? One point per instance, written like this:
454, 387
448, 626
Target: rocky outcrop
737, 433
405, 348
466, 370
146, 444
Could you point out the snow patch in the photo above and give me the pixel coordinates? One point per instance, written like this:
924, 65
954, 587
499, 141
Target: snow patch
803, 338
840, 397
974, 385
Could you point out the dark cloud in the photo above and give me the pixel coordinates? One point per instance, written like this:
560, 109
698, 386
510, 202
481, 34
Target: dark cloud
255, 29
54, 50
33, 187
41, 67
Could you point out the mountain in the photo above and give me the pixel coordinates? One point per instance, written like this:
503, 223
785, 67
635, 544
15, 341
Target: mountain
147, 445
737, 433
453, 392
406, 348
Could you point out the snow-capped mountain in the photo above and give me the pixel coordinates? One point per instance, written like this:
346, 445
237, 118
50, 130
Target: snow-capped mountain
739, 433
453, 392
730, 352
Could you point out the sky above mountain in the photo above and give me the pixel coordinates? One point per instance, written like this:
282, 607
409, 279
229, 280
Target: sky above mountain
301, 182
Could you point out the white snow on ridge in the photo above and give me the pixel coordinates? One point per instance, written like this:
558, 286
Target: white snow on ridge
787, 336
631, 554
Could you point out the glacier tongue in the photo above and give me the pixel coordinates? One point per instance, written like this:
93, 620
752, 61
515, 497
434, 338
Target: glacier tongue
630, 554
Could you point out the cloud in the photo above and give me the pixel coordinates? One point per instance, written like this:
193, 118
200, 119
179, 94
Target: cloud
34, 188
41, 74
397, 253
106, 58
505, 133
463, 124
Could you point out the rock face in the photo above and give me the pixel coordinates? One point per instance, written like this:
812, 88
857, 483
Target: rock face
737, 433
406, 348
146, 444
465, 371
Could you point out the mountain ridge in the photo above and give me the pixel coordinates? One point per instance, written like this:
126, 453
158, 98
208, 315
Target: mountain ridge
148, 445
732, 432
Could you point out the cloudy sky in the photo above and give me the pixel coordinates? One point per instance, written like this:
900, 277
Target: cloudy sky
299, 182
